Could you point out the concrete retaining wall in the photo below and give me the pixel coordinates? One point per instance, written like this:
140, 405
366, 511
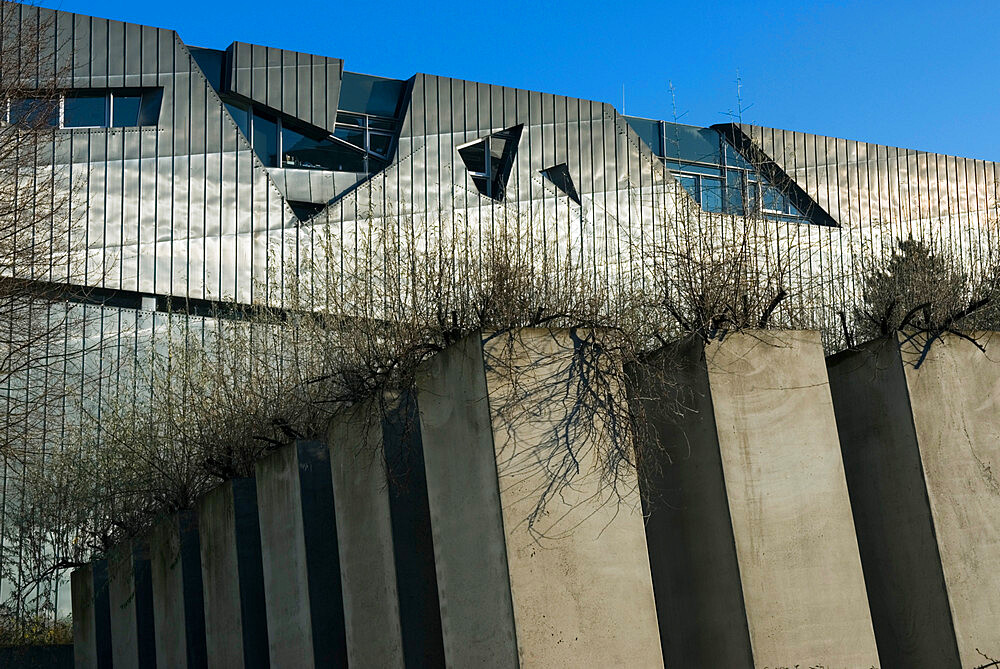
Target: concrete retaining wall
131, 608
578, 595
364, 523
751, 536
302, 581
178, 599
921, 447
235, 616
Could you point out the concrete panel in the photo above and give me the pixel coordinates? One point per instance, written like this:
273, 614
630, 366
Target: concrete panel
223, 622
302, 579
803, 585
364, 532
777, 488
689, 532
122, 600
509, 597
84, 629
412, 537
253, 611
283, 554
178, 606
930, 502
477, 616
235, 616
579, 577
902, 566
955, 397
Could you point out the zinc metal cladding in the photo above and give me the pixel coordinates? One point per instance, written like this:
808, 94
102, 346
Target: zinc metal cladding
186, 208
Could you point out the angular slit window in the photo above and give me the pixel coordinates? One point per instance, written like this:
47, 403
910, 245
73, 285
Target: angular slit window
559, 175
149, 106
35, 112
490, 160
85, 110
265, 140
125, 110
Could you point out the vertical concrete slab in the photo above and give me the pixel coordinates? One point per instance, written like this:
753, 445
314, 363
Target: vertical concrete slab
122, 602
84, 625
102, 614
803, 586
302, 583
470, 551
955, 397
786, 505
580, 579
143, 587
412, 537
689, 531
178, 600
235, 615
572, 590
364, 532
253, 609
920, 437
223, 618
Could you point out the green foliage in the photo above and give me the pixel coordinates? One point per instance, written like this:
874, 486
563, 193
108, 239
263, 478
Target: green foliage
37, 630
915, 287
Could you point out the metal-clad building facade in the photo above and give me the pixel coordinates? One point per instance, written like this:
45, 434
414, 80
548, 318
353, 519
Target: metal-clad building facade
238, 159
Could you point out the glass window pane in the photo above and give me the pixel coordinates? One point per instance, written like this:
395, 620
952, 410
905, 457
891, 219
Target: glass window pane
734, 191
353, 136
382, 123
773, 200
124, 110
379, 143
711, 194
474, 156
351, 119
734, 159
34, 112
690, 184
308, 151
149, 106
265, 140
753, 195
86, 111
242, 117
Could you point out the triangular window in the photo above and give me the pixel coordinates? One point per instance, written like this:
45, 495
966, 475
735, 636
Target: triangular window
490, 160
559, 176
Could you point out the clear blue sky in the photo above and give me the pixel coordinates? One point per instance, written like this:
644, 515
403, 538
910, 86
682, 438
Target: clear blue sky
916, 74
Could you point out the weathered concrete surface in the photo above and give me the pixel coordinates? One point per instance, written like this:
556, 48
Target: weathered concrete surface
689, 531
283, 552
302, 581
122, 600
178, 604
235, 610
142, 584
412, 537
581, 594
470, 553
364, 533
102, 613
803, 586
921, 454
84, 627
799, 569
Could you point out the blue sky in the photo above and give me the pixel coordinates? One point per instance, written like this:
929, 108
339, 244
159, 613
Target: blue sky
916, 74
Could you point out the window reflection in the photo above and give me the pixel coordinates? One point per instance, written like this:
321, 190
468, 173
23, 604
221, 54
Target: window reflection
124, 110
85, 110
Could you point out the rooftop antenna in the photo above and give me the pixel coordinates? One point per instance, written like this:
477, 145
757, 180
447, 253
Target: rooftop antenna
623, 99
737, 116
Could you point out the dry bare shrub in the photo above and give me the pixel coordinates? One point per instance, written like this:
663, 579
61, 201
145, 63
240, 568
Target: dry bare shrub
925, 292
